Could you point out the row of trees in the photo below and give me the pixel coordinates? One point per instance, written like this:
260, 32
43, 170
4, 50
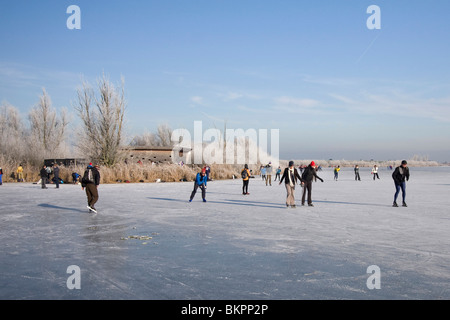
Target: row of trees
44, 136
100, 135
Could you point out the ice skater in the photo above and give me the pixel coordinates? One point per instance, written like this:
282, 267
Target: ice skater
269, 174
19, 172
336, 172
43, 174
90, 182
290, 176
200, 182
375, 172
263, 173
278, 174
1, 175
400, 176
308, 175
245, 174
56, 175
357, 176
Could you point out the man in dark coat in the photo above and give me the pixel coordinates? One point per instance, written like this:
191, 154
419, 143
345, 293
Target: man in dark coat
43, 174
400, 176
308, 175
91, 181
56, 175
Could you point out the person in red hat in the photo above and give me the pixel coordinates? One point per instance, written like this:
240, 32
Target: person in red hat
308, 175
200, 182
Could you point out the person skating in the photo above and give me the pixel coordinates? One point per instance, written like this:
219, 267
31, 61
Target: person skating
19, 173
90, 182
278, 174
200, 182
375, 172
1, 175
245, 174
56, 175
400, 176
269, 174
308, 175
336, 172
290, 176
43, 174
263, 173
357, 176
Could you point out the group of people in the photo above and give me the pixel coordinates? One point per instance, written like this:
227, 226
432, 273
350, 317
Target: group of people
91, 180
374, 172
266, 173
291, 178
45, 175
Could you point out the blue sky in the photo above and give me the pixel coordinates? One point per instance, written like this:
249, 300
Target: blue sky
312, 69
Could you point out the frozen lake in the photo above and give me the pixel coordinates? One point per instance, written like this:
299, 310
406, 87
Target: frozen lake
233, 246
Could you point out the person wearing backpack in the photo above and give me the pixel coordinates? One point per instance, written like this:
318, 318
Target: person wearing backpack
245, 174
90, 182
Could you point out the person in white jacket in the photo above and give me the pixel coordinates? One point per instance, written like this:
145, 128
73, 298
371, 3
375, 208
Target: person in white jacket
375, 172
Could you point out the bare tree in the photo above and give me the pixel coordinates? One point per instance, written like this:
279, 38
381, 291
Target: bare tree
12, 136
164, 134
147, 139
47, 129
102, 115
161, 138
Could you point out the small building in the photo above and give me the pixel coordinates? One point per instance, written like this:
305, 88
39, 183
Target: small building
152, 155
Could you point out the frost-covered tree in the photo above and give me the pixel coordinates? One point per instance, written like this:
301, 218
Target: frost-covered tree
12, 137
102, 116
47, 129
161, 138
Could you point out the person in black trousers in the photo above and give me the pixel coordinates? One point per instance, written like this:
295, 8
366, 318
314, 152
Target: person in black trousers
357, 176
43, 174
200, 182
245, 173
308, 175
56, 175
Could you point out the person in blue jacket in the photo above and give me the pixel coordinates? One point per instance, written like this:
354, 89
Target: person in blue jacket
200, 182
1, 175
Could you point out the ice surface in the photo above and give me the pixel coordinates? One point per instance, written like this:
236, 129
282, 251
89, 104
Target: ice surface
148, 242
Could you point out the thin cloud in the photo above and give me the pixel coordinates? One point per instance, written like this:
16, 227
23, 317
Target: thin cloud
198, 100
